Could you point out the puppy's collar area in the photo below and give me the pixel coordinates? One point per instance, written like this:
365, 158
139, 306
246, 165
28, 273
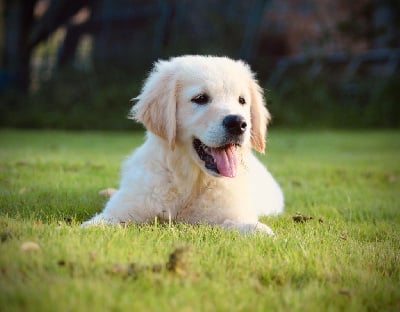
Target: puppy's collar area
220, 160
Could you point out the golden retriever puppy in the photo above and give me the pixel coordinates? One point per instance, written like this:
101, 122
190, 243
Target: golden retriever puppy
203, 116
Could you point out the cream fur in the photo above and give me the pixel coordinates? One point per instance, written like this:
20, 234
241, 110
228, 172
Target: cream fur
165, 178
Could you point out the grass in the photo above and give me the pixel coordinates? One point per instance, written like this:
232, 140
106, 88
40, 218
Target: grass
345, 258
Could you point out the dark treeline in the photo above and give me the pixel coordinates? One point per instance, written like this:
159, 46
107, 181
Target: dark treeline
65, 63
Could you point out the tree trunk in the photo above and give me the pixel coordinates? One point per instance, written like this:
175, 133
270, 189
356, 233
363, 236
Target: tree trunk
18, 20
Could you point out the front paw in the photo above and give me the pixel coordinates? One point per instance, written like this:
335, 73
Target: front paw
99, 219
263, 228
248, 228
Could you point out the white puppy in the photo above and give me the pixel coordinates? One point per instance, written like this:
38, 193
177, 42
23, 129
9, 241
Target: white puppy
203, 115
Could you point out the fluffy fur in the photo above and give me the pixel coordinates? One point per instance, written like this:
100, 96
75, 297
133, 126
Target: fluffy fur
167, 178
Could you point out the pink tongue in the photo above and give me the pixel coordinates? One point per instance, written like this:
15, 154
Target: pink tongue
226, 160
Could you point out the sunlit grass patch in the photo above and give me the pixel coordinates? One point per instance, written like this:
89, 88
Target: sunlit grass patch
336, 246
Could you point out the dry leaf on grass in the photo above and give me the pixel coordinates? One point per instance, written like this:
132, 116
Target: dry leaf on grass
176, 264
22, 191
298, 217
29, 246
5, 235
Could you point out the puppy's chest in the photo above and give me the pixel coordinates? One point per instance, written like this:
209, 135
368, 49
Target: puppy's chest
173, 197
189, 203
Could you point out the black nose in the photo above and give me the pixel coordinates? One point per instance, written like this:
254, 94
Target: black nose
235, 124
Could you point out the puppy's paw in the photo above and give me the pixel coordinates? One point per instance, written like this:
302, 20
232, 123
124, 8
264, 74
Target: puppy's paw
99, 219
263, 228
248, 228
108, 192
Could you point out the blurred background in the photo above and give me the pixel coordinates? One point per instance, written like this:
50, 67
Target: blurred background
323, 63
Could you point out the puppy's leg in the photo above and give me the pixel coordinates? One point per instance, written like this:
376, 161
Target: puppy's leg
119, 208
247, 228
98, 219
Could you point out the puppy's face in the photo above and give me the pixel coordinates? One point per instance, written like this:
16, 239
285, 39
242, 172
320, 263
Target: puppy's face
210, 106
213, 119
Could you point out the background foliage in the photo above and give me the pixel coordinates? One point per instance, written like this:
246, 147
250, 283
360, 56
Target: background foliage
76, 65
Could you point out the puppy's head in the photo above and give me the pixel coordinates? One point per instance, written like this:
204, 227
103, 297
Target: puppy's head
211, 106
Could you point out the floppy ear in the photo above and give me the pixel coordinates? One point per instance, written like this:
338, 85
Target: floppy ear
156, 106
259, 117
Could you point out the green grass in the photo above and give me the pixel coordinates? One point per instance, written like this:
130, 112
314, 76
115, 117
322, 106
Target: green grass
345, 258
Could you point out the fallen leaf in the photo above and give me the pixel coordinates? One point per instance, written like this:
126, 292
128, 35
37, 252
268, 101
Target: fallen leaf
118, 268
29, 246
21, 163
61, 262
392, 178
345, 291
177, 261
301, 218
5, 236
92, 256
130, 269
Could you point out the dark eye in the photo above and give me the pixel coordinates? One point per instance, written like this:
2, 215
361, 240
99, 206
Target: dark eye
242, 100
201, 99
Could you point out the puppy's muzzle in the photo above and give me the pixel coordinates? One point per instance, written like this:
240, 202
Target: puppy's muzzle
234, 124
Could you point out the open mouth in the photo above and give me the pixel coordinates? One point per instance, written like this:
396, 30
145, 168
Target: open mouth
221, 160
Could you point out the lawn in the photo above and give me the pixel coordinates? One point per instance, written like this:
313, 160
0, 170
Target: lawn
336, 246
